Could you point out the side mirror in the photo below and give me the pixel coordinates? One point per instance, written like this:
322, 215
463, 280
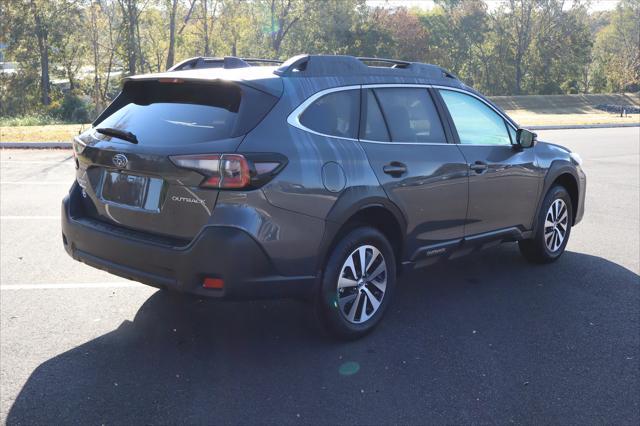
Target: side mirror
525, 138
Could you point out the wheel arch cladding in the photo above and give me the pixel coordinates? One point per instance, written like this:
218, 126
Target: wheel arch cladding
569, 182
375, 215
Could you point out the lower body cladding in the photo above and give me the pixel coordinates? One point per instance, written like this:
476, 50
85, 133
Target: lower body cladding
464, 246
229, 259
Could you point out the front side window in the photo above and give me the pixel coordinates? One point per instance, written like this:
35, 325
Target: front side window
410, 115
476, 123
334, 114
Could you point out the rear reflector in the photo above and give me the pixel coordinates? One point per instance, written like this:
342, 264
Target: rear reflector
216, 283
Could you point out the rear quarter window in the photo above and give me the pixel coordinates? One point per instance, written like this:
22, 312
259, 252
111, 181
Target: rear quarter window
334, 114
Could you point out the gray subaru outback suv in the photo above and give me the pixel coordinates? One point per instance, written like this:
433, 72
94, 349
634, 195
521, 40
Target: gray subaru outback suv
322, 178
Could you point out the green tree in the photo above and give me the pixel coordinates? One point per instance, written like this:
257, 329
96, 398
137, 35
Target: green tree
44, 24
617, 48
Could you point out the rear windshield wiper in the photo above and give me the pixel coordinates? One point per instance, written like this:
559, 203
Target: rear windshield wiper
122, 134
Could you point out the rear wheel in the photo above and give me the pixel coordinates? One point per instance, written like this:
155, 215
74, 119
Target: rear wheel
553, 228
357, 284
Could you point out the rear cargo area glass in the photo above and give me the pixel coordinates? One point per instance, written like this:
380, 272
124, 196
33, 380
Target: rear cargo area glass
175, 113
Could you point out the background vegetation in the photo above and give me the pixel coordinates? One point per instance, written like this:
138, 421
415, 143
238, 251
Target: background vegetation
70, 55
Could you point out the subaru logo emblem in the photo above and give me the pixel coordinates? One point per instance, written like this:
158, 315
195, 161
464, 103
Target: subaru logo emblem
120, 160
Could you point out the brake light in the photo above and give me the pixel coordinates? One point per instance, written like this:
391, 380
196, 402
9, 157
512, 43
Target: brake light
170, 80
231, 171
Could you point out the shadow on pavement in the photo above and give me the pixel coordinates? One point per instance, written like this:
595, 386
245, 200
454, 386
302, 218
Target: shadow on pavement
487, 338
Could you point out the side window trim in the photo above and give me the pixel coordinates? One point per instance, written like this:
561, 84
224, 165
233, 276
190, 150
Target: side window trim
294, 117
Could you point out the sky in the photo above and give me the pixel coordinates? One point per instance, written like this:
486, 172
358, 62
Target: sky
596, 5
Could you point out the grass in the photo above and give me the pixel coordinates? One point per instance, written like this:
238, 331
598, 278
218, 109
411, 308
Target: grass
46, 133
529, 118
29, 120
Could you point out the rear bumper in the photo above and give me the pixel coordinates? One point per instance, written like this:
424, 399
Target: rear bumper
218, 252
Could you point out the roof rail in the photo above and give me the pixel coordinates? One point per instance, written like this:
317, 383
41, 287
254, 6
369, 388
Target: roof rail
396, 63
336, 65
227, 62
448, 74
294, 64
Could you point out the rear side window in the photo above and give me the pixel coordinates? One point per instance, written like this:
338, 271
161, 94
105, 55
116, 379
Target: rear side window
185, 113
410, 115
334, 114
373, 126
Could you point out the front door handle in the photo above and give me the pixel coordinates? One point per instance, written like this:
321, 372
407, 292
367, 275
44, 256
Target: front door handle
479, 167
395, 169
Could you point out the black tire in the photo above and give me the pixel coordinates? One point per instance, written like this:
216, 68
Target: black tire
330, 302
536, 249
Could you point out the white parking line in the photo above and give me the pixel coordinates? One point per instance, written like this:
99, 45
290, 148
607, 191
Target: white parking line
66, 182
67, 161
29, 217
53, 286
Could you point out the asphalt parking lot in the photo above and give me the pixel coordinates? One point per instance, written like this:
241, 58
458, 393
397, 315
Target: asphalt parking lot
482, 339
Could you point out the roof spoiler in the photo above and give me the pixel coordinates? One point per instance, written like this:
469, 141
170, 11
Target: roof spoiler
227, 62
336, 65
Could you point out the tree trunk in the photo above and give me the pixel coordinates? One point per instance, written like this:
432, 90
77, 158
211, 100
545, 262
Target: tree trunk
205, 22
131, 42
96, 57
172, 34
70, 76
129, 12
43, 49
518, 83
138, 45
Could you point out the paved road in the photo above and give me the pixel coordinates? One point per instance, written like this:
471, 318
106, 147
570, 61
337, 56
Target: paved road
483, 339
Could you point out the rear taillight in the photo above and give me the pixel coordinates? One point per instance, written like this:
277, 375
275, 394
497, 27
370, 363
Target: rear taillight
78, 148
232, 171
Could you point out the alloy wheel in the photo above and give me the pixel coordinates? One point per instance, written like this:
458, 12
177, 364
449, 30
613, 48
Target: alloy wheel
361, 284
556, 225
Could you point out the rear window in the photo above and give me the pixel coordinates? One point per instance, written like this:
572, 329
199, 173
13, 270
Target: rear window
334, 114
410, 115
373, 126
185, 113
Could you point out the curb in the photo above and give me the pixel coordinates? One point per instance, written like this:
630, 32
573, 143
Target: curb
583, 126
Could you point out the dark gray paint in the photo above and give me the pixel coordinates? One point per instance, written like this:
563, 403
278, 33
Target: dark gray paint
504, 195
432, 194
296, 216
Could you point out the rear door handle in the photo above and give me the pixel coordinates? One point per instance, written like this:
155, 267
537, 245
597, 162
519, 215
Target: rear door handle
479, 167
395, 169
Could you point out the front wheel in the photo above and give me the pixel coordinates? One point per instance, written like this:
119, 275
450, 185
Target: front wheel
553, 228
357, 284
